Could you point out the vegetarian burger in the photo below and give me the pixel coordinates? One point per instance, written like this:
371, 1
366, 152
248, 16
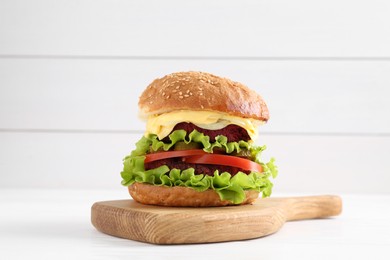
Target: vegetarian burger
198, 148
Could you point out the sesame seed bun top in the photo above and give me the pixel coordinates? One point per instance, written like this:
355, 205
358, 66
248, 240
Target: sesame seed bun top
201, 91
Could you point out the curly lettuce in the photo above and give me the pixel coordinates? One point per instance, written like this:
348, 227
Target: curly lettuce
228, 187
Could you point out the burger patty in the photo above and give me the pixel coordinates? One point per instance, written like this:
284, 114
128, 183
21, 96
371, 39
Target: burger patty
207, 169
234, 133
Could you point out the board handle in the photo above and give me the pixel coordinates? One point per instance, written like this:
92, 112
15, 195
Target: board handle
310, 207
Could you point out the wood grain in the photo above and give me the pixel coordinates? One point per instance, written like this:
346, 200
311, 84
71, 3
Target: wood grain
167, 225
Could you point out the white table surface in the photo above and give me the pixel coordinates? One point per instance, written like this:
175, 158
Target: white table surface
55, 224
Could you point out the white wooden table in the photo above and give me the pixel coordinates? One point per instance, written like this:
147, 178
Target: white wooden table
55, 224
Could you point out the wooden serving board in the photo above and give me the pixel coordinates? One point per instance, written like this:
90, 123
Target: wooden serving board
169, 225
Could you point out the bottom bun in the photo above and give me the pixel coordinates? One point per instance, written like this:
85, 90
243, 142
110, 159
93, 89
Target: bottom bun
182, 196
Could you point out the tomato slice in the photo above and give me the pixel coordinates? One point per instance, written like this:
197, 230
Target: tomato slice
201, 157
171, 154
227, 160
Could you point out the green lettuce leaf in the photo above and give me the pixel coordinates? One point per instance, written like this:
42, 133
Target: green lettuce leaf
228, 187
194, 136
144, 145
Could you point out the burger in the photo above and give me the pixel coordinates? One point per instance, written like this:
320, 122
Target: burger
199, 146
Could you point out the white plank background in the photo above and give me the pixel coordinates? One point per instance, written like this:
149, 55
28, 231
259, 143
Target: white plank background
71, 73
222, 28
315, 164
303, 96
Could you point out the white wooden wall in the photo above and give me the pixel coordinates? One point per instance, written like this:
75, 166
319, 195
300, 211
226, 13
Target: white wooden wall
71, 73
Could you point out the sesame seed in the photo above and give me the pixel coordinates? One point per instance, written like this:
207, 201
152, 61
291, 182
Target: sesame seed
180, 93
186, 95
163, 93
177, 87
201, 94
180, 96
202, 106
187, 91
168, 96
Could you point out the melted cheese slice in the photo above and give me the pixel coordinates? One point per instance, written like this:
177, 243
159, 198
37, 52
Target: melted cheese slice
163, 124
